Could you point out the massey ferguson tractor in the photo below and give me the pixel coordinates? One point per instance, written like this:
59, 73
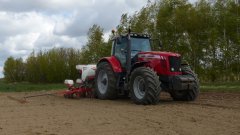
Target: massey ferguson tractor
135, 71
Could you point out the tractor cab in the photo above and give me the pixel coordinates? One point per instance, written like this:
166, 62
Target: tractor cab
138, 43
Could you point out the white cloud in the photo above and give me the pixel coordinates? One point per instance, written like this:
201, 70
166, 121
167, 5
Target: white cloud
105, 13
56, 6
22, 23
19, 31
28, 25
50, 41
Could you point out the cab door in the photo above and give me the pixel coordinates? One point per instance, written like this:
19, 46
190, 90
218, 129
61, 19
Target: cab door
120, 51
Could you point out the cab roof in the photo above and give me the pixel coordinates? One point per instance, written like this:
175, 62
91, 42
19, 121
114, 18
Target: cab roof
132, 34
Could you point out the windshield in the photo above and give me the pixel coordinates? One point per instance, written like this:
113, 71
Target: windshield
139, 45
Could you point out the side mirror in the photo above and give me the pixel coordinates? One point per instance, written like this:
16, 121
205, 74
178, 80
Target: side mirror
160, 43
156, 44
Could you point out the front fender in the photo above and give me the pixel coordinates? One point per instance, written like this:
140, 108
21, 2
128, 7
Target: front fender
139, 64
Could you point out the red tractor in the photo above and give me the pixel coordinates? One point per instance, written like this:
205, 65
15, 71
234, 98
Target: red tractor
134, 70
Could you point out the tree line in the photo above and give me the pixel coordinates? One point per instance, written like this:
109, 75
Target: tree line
206, 34
57, 64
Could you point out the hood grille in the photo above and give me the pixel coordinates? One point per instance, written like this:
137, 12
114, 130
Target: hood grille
175, 63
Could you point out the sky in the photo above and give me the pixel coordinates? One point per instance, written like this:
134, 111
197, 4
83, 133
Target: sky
27, 25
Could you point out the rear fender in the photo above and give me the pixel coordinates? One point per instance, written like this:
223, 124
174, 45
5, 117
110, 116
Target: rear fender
113, 61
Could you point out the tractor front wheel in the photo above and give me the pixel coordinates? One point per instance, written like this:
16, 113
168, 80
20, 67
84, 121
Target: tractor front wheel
145, 86
105, 82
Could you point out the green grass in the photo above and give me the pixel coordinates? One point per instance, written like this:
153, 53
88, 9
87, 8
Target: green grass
220, 87
27, 87
20, 87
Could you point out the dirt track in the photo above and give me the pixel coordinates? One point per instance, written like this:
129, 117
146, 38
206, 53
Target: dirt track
211, 114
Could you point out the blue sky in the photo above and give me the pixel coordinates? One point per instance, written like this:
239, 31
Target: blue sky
28, 25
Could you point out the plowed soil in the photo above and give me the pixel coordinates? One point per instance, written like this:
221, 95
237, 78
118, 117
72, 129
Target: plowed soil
211, 114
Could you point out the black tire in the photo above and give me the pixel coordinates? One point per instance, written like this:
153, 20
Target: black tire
110, 91
189, 95
149, 83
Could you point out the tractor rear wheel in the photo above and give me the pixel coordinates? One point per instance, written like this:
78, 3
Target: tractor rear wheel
105, 82
189, 95
145, 86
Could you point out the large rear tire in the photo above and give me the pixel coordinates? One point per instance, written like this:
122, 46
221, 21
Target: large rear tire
105, 82
189, 95
145, 86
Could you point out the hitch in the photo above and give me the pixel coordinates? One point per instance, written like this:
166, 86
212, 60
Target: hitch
81, 90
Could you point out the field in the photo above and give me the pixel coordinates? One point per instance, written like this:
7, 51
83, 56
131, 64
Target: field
213, 113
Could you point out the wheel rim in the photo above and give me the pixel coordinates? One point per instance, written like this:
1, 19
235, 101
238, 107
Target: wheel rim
139, 87
102, 82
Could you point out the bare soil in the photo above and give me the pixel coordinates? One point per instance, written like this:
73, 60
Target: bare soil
211, 114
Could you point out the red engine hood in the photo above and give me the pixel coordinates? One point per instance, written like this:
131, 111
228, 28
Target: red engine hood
161, 53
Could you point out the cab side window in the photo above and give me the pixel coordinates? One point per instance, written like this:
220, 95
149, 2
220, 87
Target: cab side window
120, 51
